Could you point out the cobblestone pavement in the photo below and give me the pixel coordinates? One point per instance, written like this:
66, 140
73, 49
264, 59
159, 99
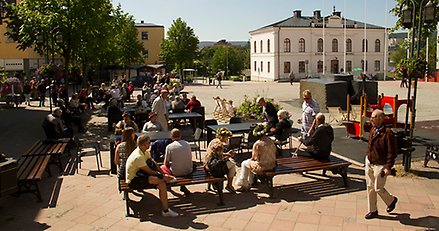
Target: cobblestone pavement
90, 200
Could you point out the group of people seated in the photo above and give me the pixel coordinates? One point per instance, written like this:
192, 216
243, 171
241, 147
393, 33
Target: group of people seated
140, 170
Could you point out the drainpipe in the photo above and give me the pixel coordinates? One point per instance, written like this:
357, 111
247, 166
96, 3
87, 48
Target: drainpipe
278, 54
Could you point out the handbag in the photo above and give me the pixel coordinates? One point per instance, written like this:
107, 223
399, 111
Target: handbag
217, 167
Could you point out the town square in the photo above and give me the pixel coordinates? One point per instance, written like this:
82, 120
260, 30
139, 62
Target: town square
315, 120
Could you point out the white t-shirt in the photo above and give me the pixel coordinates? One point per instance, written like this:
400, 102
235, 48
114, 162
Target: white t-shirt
309, 111
180, 155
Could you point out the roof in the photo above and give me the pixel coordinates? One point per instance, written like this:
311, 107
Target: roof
307, 22
147, 25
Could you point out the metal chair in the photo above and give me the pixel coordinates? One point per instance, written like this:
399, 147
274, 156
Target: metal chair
196, 145
235, 143
83, 151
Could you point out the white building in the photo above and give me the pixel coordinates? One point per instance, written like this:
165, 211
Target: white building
300, 44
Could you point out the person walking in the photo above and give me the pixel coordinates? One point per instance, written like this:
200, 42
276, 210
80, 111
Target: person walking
219, 78
42, 88
381, 154
291, 76
404, 79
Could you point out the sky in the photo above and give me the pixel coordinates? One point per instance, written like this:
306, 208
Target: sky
213, 20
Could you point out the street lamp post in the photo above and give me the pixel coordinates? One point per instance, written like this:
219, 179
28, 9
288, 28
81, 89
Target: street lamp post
424, 13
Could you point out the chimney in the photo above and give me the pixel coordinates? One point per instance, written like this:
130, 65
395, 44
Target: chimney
337, 13
297, 13
142, 21
317, 14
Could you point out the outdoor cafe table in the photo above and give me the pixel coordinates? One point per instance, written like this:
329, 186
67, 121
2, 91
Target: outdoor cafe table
234, 128
152, 135
193, 116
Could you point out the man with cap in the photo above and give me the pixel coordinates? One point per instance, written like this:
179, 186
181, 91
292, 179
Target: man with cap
152, 124
160, 108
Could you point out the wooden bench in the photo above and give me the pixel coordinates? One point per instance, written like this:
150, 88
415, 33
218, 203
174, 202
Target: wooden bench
301, 164
34, 163
199, 176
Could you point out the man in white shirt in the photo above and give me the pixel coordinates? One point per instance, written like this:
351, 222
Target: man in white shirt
159, 107
140, 175
310, 108
178, 158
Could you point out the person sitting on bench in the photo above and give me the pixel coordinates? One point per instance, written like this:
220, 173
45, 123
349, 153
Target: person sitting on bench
54, 127
143, 172
126, 122
263, 158
321, 139
178, 158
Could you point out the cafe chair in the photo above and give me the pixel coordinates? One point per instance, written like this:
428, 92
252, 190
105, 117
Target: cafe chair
196, 143
283, 139
235, 143
248, 141
92, 149
208, 122
235, 120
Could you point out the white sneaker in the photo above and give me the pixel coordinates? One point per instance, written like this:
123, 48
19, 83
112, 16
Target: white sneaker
170, 213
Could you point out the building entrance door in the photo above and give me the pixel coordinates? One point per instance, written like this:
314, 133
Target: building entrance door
334, 66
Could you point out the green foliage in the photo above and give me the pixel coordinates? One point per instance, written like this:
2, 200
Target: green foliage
93, 32
222, 57
415, 68
249, 109
180, 46
236, 78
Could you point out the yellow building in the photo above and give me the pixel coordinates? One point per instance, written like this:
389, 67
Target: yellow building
151, 36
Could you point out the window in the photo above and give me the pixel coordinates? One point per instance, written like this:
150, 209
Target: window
268, 67
362, 65
348, 45
268, 46
301, 45
320, 66
262, 66
255, 64
144, 35
287, 45
334, 45
254, 49
377, 65
301, 66
377, 45
262, 50
320, 45
287, 67
145, 53
365, 48
348, 66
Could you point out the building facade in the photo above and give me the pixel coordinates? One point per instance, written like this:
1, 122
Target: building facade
151, 36
300, 44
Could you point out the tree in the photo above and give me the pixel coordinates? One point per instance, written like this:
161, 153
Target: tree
94, 33
180, 46
227, 59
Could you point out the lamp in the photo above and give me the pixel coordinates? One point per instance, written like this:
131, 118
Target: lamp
407, 16
429, 12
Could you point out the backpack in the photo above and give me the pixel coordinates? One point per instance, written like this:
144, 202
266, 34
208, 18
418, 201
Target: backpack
217, 167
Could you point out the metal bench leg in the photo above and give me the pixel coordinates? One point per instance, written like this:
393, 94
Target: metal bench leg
344, 175
270, 186
220, 186
127, 198
37, 192
427, 157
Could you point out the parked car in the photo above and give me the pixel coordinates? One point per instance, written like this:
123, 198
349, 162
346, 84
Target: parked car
139, 81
